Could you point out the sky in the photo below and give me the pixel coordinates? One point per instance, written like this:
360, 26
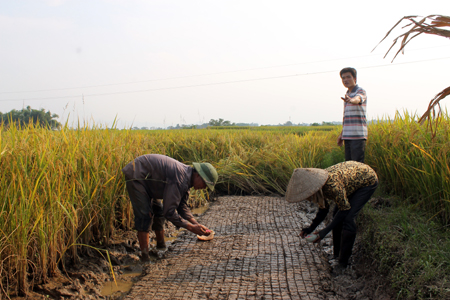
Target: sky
159, 63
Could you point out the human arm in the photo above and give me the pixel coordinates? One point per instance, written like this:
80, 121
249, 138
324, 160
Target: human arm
352, 100
190, 224
198, 229
177, 211
340, 141
320, 216
172, 199
359, 97
338, 218
336, 190
185, 212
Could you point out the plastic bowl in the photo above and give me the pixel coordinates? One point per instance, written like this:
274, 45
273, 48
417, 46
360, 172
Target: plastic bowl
311, 237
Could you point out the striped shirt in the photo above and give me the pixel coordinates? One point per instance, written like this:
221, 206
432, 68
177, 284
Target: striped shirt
354, 124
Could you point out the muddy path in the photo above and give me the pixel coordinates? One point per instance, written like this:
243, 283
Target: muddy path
256, 254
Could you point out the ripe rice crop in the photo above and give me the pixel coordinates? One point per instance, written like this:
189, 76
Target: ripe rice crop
413, 165
62, 190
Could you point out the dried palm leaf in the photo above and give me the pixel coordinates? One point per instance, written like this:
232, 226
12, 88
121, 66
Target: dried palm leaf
431, 24
418, 27
431, 113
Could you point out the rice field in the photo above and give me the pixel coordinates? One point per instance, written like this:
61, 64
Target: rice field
63, 190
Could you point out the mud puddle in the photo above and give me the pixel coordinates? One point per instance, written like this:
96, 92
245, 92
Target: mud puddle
131, 273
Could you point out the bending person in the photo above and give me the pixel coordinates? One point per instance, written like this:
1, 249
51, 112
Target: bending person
350, 185
153, 176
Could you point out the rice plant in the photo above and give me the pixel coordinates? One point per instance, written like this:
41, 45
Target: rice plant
413, 164
64, 189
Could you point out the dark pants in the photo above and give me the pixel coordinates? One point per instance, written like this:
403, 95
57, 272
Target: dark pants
346, 218
344, 227
148, 212
354, 150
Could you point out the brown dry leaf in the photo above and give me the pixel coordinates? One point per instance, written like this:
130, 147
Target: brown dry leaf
417, 27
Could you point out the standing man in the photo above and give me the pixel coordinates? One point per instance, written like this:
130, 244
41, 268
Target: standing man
154, 176
354, 129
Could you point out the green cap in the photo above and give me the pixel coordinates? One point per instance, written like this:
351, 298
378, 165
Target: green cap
208, 173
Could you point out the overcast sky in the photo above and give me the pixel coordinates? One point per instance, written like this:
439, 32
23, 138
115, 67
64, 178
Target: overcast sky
163, 62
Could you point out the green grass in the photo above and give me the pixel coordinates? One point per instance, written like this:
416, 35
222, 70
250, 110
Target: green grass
409, 248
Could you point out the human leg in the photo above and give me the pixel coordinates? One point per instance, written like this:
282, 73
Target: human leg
355, 150
357, 201
158, 223
140, 201
336, 236
348, 150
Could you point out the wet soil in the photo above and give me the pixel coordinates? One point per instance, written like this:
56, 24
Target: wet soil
255, 254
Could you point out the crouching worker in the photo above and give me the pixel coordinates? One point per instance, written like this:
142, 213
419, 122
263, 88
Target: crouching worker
350, 185
153, 176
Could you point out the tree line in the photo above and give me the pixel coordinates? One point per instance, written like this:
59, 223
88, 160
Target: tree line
22, 118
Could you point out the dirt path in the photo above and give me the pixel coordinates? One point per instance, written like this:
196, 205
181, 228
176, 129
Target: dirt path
256, 254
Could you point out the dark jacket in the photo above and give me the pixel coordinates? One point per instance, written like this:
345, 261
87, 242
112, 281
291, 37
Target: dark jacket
164, 178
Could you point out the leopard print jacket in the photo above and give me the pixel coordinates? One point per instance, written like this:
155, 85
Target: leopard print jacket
344, 179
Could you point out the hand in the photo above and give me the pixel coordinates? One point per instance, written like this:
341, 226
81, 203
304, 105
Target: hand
318, 237
347, 99
302, 234
340, 141
207, 231
354, 100
198, 229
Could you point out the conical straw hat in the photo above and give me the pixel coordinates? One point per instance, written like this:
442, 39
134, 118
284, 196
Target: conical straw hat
304, 183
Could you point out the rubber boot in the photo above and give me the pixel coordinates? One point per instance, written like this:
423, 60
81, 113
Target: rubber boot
348, 239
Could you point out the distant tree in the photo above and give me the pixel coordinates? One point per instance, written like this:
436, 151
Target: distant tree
220, 122
188, 126
27, 115
213, 122
315, 124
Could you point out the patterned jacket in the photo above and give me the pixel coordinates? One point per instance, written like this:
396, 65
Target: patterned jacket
344, 179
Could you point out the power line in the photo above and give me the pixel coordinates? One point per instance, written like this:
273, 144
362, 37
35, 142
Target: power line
186, 76
200, 75
214, 83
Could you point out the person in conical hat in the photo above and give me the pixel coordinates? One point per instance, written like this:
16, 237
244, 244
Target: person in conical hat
350, 185
152, 177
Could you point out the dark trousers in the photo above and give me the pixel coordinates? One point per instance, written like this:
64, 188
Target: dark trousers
148, 212
354, 150
344, 229
346, 218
